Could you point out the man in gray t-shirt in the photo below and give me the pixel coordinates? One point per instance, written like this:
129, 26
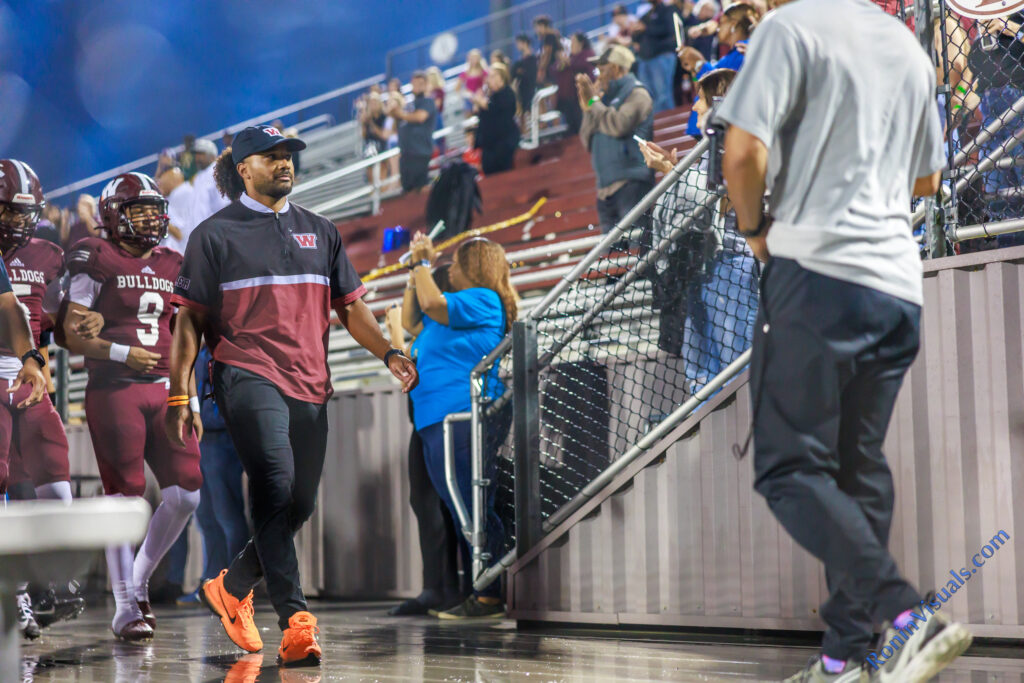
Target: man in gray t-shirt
834, 111
415, 134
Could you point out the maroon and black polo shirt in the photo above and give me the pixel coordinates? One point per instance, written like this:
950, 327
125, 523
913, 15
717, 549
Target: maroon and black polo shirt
268, 282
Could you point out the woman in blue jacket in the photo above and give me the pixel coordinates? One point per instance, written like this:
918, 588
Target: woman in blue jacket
453, 332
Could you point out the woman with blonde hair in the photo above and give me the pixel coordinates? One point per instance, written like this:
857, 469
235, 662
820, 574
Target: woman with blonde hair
435, 87
471, 81
497, 134
453, 332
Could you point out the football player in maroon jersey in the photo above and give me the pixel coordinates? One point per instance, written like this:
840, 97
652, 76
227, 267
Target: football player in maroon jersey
22, 366
129, 279
31, 265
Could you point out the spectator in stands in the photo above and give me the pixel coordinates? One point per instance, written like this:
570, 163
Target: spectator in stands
439, 542
394, 86
709, 289
701, 27
453, 332
165, 160
85, 223
186, 158
654, 37
609, 122
524, 75
435, 84
568, 66
206, 198
996, 62
734, 30
225, 139
53, 226
550, 45
620, 32
499, 57
415, 134
497, 134
179, 194
374, 124
471, 80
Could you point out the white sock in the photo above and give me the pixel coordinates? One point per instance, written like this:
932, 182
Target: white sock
119, 564
58, 490
165, 527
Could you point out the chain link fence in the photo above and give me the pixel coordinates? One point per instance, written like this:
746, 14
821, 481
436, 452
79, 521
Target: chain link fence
639, 327
659, 316
980, 94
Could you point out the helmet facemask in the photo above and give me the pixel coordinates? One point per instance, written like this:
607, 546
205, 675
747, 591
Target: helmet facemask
142, 222
18, 223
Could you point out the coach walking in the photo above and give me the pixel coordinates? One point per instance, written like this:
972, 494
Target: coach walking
840, 99
259, 279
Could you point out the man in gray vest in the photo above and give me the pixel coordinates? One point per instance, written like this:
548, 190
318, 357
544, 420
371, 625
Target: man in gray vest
623, 108
835, 111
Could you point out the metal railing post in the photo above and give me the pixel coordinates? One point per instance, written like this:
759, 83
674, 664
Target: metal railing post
375, 197
477, 537
450, 478
526, 421
62, 376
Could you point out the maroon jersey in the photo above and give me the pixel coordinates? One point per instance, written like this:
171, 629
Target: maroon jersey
31, 268
134, 296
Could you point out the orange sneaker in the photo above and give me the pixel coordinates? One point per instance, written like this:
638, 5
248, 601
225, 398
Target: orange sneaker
235, 615
245, 670
299, 646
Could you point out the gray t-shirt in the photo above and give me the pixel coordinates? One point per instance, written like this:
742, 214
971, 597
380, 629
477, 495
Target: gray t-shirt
844, 98
416, 139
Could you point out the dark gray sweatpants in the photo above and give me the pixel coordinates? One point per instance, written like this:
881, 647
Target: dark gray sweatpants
828, 359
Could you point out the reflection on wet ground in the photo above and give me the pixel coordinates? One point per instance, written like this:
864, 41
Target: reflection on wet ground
360, 643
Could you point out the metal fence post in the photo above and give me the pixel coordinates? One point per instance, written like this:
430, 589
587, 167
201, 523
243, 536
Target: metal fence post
526, 426
61, 378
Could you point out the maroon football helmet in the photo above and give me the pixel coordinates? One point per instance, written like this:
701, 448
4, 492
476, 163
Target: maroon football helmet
21, 203
121, 194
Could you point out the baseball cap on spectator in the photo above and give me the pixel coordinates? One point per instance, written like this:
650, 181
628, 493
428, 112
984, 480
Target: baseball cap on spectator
619, 9
619, 55
205, 147
256, 139
419, 74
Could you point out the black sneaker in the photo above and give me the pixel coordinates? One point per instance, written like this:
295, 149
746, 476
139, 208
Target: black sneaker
472, 608
49, 609
921, 650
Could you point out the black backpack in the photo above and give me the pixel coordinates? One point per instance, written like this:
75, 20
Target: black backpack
453, 198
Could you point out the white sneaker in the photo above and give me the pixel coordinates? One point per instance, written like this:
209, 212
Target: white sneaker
26, 619
815, 673
924, 649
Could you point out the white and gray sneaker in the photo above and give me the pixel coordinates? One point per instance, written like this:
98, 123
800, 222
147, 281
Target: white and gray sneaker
815, 672
924, 651
26, 619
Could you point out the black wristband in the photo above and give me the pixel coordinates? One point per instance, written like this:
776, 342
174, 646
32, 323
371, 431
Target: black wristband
762, 227
36, 356
393, 352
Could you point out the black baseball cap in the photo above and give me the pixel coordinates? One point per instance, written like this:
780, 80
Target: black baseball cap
256, 139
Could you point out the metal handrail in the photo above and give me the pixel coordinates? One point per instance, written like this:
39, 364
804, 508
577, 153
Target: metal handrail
599, 250
600, 481
270, 116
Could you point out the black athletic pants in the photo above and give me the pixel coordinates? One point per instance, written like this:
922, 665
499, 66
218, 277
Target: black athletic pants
439, 543
828, 359
281, 442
